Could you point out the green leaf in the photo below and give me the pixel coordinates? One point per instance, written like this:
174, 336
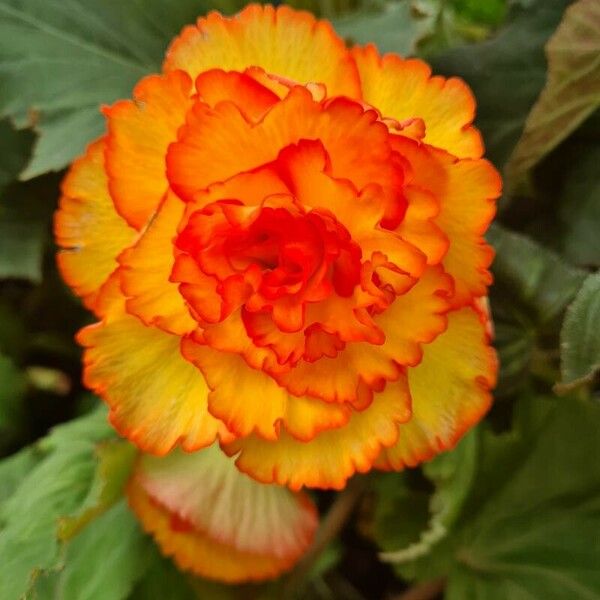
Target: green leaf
59, 63
445, 26
534, 531
22, 237
13, 470
506, 73
394, 27
57, 486
163, 580
14, 151
579, 208
514, 339
572, 91
114, 462
28, 543
491, 12
409, 27
535, 277
107, 558
401, 513
91, 428
45, 587
528, 528
580, 338
452, 474
12, 389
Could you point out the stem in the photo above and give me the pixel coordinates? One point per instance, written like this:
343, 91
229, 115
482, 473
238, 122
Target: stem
423, 591
331, 525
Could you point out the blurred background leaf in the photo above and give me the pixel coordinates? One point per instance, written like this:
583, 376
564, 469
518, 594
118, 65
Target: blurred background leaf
58, 66
452, 475
527, 528
423, 27
543, 283
392, 24
12, 389
580, 335
14, 152
506, 73
572, 90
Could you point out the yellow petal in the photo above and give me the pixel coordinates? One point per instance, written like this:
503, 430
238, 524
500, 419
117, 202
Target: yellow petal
404, 89
282, 41
88, 230
450, 391
157, 399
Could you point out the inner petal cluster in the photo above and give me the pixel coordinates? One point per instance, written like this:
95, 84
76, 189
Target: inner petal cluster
272, 259
294, 259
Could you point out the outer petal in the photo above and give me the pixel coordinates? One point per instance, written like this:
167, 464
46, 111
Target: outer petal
88, 230
157, 399
205, 490
404, 89
333, 456
468, 207
282, 41
146, 268
248, 400
197, 552
450, 389
466, 190
139, 132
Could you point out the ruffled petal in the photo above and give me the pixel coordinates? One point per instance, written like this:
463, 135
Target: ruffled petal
253, 99
243, 398
450, 390
250, 188
306, 168
419, 227
413, 319
145, 271
467, 191
88, 230
404, 89
333, 456
337, 380
217, 522
250, 401
285, 42
139, 132
157, 399
468, 207
218, 142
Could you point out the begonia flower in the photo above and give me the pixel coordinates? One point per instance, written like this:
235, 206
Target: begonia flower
282, 239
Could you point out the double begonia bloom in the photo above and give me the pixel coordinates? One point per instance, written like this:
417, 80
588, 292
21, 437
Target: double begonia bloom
282, 239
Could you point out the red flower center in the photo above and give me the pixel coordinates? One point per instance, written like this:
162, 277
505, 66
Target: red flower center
260, 255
